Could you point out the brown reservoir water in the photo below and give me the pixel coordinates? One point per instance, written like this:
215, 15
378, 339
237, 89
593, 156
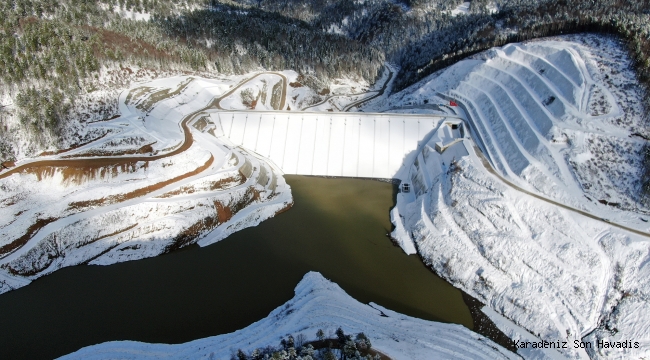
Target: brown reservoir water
336, 227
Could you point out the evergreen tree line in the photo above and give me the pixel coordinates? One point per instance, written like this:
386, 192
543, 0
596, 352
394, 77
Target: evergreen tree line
241, 39
50, 51
343, 347
520, 20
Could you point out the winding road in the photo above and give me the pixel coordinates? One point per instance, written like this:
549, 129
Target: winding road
283, 98
380, 93
486, 164
215, 103
118, 160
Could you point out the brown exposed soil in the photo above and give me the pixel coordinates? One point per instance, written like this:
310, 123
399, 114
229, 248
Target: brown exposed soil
33, 229
107, 235
222, 184
78, 175
286, 208
201, 124
107, 161
184, 190
145, 149
82, 205
80, 169
107, 119
227, 183
224, 213
191, 233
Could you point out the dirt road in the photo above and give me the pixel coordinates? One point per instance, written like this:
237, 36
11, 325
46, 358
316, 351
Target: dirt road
188, 140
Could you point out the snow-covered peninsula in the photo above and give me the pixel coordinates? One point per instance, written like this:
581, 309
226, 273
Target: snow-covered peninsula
320, 304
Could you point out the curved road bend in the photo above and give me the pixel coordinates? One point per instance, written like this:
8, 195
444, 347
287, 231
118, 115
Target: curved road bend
358, 102
331, 97
283, 98
490, 169
117, 160
380, 93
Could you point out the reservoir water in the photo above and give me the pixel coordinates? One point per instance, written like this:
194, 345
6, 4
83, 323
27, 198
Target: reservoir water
337, 227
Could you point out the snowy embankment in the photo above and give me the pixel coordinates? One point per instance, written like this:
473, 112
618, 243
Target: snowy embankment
159, 194
320, 304
556, 119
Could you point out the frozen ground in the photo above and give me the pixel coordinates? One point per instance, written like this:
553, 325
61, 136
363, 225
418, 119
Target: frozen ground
555, 118
320, 304
151, 199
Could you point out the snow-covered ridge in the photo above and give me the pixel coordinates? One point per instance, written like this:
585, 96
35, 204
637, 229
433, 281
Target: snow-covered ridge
320, 304
545, 272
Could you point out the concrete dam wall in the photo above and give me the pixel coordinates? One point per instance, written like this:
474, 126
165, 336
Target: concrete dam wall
331, 144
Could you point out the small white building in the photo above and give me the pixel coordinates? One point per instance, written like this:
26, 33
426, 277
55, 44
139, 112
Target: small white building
449, 133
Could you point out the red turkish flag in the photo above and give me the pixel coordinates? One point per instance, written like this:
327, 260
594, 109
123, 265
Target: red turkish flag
452, 103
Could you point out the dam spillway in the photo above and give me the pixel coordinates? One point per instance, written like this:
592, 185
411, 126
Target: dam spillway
371, 145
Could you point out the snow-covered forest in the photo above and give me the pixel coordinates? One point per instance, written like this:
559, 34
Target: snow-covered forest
56, 56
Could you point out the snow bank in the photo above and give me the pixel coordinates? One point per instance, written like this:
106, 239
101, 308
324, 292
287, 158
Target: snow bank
544, 272
320, 304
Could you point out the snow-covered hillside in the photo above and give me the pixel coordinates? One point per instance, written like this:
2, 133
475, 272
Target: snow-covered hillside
150, 179
173, 183
555, 119
320, 304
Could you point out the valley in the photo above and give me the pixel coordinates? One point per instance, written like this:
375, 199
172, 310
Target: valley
514, 174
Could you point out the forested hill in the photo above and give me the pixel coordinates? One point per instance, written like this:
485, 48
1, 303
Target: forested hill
519, 20
54, 52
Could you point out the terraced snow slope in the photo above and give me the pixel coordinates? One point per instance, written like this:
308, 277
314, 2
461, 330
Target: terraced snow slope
555, 118
562, 119
160, 189
320, 304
